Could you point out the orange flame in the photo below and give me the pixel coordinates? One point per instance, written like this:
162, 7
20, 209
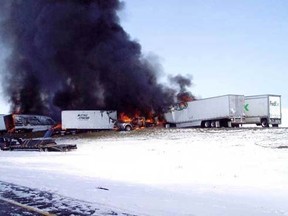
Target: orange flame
57, 127
124, 118
140, 121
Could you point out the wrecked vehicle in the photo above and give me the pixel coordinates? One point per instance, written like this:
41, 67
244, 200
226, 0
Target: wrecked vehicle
36, 144
27, 123
124, 125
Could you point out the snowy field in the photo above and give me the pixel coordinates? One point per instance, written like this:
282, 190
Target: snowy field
158, 172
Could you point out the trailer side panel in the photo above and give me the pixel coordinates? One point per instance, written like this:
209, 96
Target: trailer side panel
194, 113
88, 119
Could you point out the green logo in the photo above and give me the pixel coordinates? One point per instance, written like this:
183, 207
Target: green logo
246, 107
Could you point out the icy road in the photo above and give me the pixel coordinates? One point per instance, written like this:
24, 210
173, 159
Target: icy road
159, 172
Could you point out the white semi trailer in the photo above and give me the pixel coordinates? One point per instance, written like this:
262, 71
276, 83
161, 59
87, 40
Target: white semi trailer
88, 119
263, 110
221, 111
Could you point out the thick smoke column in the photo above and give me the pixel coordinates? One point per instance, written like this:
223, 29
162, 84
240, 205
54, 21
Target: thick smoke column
182, 81
184, 95
73, 54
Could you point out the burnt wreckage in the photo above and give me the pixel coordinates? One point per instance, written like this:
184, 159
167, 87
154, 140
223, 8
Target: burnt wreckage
36, 144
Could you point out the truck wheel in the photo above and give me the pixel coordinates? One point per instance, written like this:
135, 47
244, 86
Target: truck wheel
264, 123
275, 125
207, 124
128, 128
213, 124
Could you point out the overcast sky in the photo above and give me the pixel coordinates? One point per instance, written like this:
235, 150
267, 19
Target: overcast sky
229, 47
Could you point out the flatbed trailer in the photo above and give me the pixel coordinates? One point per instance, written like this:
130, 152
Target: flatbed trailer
37, 144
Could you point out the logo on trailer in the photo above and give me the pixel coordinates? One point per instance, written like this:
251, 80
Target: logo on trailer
83, 117
274, 103
246, 107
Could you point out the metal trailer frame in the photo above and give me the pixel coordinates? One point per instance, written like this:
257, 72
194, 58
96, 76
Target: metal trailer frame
37, 144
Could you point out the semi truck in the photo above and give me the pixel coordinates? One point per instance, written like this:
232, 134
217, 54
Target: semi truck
220, 111
28, 122
88, 119
263, 110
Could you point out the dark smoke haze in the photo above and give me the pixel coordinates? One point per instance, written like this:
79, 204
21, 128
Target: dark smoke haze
183, 82
73, 54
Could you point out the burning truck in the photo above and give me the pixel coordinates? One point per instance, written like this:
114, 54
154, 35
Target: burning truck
220, 111
26, 123
76, 120
126, 123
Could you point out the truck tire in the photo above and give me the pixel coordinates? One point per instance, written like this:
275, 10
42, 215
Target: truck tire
128, 128
207, 124
275, 125
264, 123
213, 124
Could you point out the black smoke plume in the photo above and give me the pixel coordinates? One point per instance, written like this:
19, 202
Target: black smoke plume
183, 82
73, 54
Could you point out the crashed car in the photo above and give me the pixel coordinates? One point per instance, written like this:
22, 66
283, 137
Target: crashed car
137, 122
123, 126
36, 144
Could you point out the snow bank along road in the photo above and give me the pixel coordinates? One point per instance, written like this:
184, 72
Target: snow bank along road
158, 172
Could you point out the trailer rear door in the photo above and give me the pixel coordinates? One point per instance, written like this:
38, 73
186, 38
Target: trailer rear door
275, 107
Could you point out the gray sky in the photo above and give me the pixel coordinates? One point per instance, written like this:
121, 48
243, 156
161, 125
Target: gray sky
229, 47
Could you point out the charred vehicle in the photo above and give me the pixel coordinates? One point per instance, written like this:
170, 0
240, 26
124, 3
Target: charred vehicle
28, 123
128, 125
36, 144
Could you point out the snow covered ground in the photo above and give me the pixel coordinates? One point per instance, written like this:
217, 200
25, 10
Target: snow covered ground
164, 171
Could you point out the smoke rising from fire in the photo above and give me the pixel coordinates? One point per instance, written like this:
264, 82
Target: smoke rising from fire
73, 54
183, 82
